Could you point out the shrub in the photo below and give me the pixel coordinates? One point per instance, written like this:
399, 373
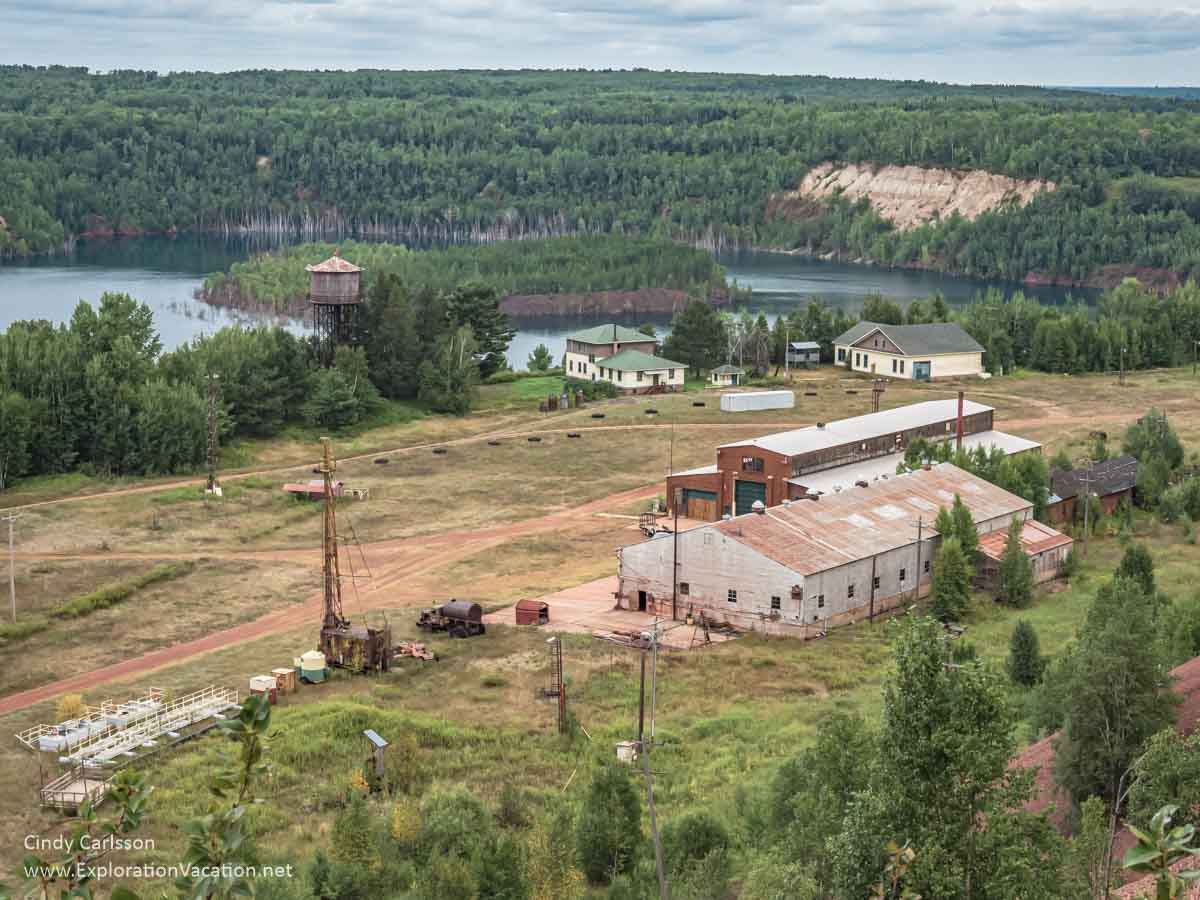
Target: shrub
593, 390
69, 706
504, 376
405, 825
690, 838
608, 830
1025, 663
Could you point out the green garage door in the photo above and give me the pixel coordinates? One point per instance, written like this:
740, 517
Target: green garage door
747, 492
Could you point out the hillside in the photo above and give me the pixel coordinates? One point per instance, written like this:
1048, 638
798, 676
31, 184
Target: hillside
484, 156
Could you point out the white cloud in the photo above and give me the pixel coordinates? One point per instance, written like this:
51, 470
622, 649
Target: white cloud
1035, 42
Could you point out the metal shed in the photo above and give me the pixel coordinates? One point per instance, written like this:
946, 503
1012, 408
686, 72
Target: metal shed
533, 612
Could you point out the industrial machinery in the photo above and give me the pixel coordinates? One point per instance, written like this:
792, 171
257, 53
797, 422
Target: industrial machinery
460, 618
348, 646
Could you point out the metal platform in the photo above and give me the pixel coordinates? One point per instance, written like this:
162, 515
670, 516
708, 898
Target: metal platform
69, 790
143, 733
95, 722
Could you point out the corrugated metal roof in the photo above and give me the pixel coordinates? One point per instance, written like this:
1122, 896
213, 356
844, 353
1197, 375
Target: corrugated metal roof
844, 478
916, 340
606, 334
804, 345
1035, 538
703, 470
861, 428
728, 370
1109, 477
335, 263
637, 361
811, 536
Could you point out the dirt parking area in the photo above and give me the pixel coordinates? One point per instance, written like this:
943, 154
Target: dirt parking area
590, 608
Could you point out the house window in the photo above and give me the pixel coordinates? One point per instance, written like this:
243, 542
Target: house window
901, 367
708, 539
893, 365
820, 601
875, 582
865, 359
620, 376
591, 357
841, 354
671, 374
850, 592
639, 375
751, 464
857, 359
683, 588
731, 596
776, 603
903, 573
926, 567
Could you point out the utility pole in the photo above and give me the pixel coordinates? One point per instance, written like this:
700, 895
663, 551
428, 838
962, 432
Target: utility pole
1195, 354
1086, 480
787, 353
213, 449
920, 533
678, 498
644, 752
12, 571
1123, 365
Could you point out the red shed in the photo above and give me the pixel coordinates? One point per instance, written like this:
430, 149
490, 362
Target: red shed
532, 612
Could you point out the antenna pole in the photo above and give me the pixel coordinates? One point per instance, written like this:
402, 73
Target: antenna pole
12, 572
333, 584
920, 530
675, 558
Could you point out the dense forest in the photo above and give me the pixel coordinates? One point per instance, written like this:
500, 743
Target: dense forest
277, 280
483, 155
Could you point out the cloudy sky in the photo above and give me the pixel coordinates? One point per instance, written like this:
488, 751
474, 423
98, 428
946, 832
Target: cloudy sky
1092, 42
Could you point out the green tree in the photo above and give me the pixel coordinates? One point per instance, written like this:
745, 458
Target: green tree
540, 359
697, 338
964, 529
1168, 772
551, 869
15, 430
476, 306
1087, 855
331, 402
1116, 689
351, 843
1152, 437
609, 826
1137, 564
1016, 570
951, 588
449, 380
648, 329
1025, 663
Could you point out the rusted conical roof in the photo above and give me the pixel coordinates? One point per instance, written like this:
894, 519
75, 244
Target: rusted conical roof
335, 263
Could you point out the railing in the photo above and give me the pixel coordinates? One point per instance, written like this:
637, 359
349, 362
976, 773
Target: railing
94, 722
188, 710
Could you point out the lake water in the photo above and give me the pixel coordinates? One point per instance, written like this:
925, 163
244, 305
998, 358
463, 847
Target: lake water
165, 273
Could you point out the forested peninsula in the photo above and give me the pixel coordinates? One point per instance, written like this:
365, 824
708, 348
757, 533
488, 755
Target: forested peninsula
706, 159
535, 278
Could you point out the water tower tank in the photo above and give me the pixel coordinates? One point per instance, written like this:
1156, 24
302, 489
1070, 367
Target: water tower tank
334, 294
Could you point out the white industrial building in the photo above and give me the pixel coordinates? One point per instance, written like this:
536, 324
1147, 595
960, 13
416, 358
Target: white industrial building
808, 565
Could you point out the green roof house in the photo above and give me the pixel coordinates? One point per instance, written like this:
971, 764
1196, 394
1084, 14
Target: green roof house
623, 357
726, 376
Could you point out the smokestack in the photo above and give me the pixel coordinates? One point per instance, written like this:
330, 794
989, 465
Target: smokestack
958, 433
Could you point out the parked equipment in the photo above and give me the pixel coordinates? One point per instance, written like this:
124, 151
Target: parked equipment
532, 612
460, 618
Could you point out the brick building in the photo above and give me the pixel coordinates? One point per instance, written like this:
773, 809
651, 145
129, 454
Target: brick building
791, 465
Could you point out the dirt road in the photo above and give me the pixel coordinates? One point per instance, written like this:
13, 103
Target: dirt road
395, 562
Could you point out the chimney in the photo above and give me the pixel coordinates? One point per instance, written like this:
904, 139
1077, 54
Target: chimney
958, 433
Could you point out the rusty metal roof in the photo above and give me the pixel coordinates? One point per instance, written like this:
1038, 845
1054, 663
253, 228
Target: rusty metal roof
1035, 538
810, 536
335, 263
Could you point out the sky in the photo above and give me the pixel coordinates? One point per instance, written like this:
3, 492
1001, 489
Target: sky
1059, 42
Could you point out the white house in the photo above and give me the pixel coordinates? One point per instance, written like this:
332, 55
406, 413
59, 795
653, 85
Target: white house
622, 356
726, 376
913, 352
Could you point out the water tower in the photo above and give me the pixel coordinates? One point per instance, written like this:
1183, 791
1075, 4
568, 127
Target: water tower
334, 292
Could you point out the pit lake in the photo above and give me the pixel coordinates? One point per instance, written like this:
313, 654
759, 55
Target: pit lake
165, 273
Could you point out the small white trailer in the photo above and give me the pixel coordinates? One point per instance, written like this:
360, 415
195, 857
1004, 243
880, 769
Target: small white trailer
753, 400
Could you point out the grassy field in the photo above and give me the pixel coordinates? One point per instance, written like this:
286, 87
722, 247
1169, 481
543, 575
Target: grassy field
726, 714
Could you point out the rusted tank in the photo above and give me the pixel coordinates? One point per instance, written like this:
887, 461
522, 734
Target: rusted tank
533, 612
459, 618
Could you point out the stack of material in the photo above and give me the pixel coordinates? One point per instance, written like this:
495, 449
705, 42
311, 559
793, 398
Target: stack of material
415, 650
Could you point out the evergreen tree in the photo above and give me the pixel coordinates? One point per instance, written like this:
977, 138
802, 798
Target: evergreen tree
540, 360
351, 841
698, 337
476, 306
1016, 570
449, 380
964, 529
1137, 565
15, 428
951, 588
944, 523
609, 827
1025, 663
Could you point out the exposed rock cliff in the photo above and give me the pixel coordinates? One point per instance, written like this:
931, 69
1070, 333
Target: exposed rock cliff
908, 196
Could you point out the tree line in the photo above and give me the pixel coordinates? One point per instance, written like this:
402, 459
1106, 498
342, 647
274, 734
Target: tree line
277, 280
484, 155
97, 394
